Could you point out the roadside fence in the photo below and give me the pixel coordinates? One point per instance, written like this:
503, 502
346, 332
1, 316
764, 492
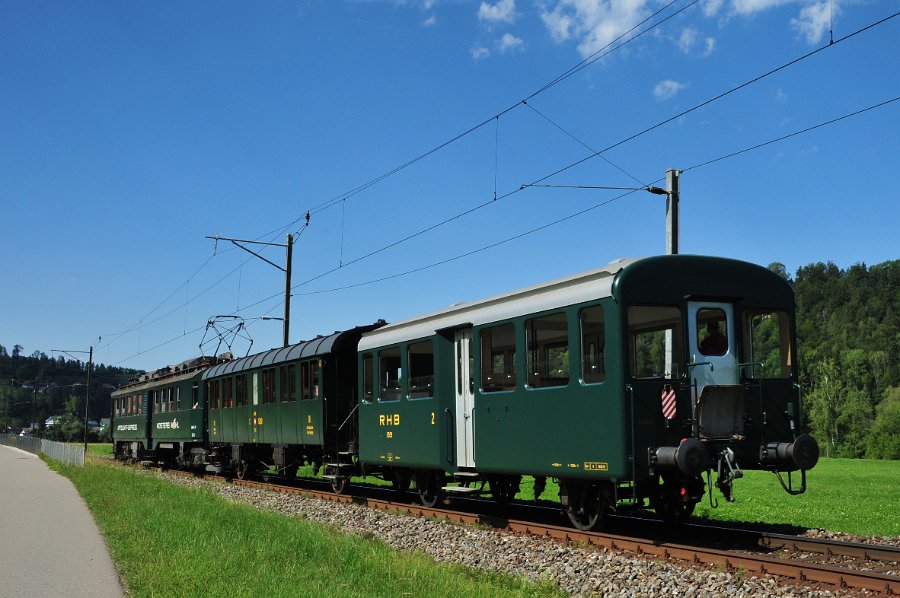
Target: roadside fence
72, 454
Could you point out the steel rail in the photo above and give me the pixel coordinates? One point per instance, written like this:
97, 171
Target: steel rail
797, 570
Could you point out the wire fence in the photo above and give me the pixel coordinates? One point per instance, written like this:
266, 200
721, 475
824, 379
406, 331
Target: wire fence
70, 454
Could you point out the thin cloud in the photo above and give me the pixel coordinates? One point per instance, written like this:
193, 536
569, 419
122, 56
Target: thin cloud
480, 52
814, 20
430, 21
667, 89
595, 22
503, 11
510, 42
687, 39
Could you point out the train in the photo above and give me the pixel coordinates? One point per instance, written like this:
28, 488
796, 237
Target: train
640, 384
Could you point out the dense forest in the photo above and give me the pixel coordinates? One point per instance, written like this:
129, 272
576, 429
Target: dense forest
39, 386
848, 327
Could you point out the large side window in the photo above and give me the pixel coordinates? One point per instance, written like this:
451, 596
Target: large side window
304, 381
227, 393
656, 345
767, 341
548, 351
421, 370
498, 358
593, 354
368, 378
390, 374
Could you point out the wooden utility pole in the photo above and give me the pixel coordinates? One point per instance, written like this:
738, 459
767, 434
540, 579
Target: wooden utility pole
287, 272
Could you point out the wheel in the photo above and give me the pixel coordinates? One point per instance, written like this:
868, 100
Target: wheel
672, 509
400, 482
429, 489
339, 484
587, 506
677, 499
245, 470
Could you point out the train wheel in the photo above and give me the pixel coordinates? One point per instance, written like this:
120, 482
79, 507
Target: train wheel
339, 484
429, 489
245, 470
587, 506
674, 510
400, 482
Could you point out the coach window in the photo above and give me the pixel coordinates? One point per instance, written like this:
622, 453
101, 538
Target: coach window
240, 390
421, 370
656, 345
498, 358
368, 378
289, 383
390, 374
593, 356
548, 351
767, 341
315, 389
304, 381
268, 386
712, 331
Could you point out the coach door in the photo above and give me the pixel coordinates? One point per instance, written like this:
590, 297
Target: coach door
465, 450
711, 341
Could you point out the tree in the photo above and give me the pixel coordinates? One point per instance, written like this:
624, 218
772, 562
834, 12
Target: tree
884, 439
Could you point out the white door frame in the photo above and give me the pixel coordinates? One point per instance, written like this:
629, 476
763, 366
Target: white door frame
465, 398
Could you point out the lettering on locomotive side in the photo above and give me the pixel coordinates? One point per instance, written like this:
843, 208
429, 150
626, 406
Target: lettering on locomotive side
126, 428
596, 466
172, 425
310, 431
391, 419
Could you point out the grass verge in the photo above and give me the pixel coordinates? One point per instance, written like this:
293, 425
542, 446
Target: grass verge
167, 540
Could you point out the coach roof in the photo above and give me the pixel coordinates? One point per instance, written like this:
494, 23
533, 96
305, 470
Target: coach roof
593, 284
303, 350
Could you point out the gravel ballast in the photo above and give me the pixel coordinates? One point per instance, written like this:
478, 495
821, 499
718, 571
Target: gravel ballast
579, 571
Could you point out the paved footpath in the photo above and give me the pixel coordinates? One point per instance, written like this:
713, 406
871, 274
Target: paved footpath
49, 544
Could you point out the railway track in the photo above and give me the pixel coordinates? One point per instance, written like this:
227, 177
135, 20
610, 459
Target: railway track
808, 561
796, 559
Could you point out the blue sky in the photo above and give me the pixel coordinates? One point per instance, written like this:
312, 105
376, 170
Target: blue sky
131, 131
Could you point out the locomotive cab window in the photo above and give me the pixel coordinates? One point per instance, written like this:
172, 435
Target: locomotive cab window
656, 346
548, 351
712, 331
593, 368
498, 358
390, 374
767, 344
421, 370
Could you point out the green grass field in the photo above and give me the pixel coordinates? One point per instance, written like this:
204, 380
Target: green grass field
843, 495
167, 540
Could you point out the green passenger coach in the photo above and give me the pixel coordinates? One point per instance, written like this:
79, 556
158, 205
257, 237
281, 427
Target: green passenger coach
285, 408
625, 384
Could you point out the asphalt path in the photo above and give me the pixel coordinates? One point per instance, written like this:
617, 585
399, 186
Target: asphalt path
49, 542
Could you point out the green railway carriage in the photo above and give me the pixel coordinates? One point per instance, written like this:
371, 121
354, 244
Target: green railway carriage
625, 383
160, 416
286, 407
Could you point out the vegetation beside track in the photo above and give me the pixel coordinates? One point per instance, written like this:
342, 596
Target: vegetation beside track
167, 540
843, 495
855, 496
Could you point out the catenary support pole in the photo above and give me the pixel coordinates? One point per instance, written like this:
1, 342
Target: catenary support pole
287, 291
672, 177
